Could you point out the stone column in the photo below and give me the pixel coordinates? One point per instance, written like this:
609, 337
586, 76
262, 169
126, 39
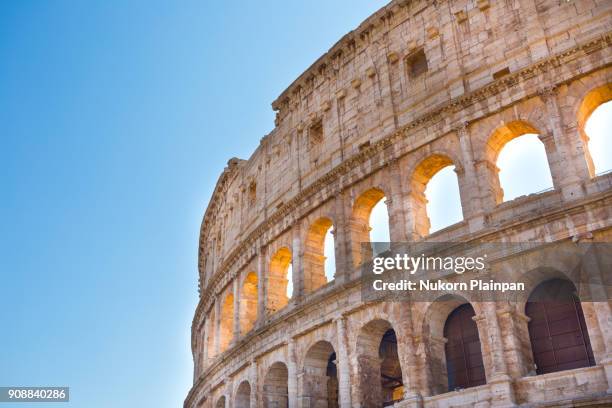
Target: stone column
342, 241
344, 380
492, 346
292, 375
236, 322
217, 323
567, 170
205, 347
262, 276
509, 319
396, 205
297, 265
254, 385
473, 202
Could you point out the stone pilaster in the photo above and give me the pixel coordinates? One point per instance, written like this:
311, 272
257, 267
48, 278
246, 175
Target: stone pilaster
344, 381
236, 321
473, 201
567, 170
261, 287
292, 388
253, 380
297, 265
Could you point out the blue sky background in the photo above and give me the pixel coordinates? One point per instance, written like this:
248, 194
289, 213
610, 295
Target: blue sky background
116, 118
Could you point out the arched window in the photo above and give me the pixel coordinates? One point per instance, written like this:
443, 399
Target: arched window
520, 158
380, 371
599, 130
319, 259
248, 302
435, 195
243, 395
220, 403
320, 380
523, 167
275, 390
226, 322
370, 224
595, 125
280, 280
463, 354
557, 330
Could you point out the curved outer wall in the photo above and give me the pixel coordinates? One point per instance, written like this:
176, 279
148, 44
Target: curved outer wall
369, 115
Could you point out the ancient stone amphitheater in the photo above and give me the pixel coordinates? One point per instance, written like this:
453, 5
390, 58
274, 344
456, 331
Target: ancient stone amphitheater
418, 86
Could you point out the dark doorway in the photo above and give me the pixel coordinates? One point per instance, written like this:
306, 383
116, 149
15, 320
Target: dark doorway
463, 353
557, 330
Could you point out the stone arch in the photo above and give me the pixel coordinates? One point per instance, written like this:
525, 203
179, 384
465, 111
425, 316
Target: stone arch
590, 102
380, 371
422, 174
275, 386
557, 327
243, 395
221, 402
278, 279
226, 322
360, 226
248, 302
314, 254
319, 379
435, 342
498, 140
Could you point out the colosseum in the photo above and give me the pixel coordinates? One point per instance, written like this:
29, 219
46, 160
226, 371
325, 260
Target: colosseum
419, 86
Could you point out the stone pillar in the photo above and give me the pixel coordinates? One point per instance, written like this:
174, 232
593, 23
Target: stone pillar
262, 289
509, 320
236, 322
492, 346
568, 171
217, 323
342, 241
292, 375
344, 380
297, 265
396, 205
254, 385
205, 347
473, 202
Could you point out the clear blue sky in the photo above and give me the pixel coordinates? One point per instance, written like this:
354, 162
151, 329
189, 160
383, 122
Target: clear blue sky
116, 118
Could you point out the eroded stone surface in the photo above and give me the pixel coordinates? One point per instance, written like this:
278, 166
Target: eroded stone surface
373, 119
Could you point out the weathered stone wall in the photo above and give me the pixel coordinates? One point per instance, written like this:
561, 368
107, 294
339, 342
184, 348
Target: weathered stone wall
417, 86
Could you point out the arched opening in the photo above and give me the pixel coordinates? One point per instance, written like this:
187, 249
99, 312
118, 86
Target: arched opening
464, 362
370, 223
318, 252
226, 325
320, 379
248, 303
557, 329
275, 391
380, 371
435, 195
210, 334
280, 285
595, 124
243, 395
519, 162
220, 403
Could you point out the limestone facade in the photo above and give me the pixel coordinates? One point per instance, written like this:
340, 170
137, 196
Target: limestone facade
417, 86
